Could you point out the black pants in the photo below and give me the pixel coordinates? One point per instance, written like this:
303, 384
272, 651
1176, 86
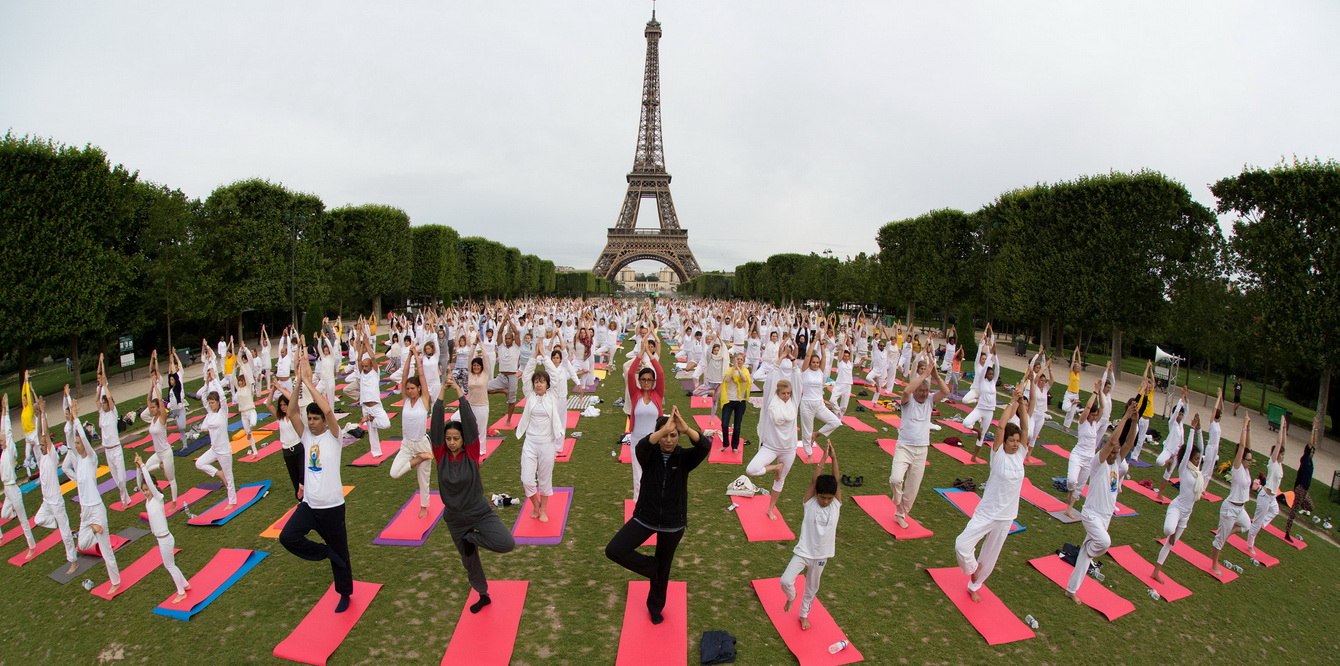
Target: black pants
329, 523
622, 549
293, 461
488, 533
735, 407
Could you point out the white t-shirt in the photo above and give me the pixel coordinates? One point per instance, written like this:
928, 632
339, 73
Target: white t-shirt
369, 386
811, 385
86, 477
844, 372
415, 423
1240, 486
321, 484
509, 358
47, 464
644, 420
1000, 500
1274, 473
916, 424
1104, 483
818, 530
111, 436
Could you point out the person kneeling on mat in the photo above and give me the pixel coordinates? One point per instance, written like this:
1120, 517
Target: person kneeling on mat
818, 536
662, 506
321, 496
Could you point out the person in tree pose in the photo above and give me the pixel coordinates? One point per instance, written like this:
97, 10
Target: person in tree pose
109, 421
93, 528
818, 536
158, 525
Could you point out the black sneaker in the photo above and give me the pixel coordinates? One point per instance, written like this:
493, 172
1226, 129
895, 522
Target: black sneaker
860, 481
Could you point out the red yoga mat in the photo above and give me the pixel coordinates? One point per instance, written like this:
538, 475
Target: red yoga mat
882, 510
1091, 592
490, 446
959, 454
565, 453
272, 532
557, 510
626, 454
43, 545
890, 446
891, 419
389, 448
1142, 569
753, 514
407, 525
628, 506
16, 531
1144, 492
1279, 534
1201, 561
191, 496
1045, 501
573, 417
320, 633
990, 617
809, 646
263, 452
857, 424
700, 402
134, 573
642, 643
726, 457
137, 498
488, 637
95, 550
955, 425
245, 495
1261, 556
707, 422
1057, 450
505, 423
206, 581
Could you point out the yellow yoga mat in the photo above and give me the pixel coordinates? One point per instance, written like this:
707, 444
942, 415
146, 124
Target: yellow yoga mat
272, 532
71, 485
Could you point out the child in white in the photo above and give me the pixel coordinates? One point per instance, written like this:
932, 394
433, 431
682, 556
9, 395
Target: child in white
153, 507
1000, 501
1266, 506
818, 535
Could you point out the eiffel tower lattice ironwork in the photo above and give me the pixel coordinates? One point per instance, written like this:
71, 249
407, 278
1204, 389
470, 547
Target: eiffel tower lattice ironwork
668, 244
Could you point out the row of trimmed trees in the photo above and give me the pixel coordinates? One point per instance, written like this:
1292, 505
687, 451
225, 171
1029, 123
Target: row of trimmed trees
1114, 261
97, 252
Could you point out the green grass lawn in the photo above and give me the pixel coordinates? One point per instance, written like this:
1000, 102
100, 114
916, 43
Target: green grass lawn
875, 588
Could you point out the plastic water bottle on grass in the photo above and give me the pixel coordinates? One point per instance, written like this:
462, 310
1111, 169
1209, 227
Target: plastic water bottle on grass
837, 647
1030, 621
1154, 594
88, 585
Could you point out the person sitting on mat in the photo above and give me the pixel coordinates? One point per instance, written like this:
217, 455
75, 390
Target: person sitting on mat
321, 495
469, 517
662, 509
818, 536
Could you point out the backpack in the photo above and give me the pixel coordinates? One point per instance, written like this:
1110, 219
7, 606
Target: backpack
741, 487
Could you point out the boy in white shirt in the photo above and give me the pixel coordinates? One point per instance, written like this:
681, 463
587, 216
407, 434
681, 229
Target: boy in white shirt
818, 533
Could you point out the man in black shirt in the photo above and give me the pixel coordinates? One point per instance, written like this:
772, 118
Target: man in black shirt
662, 506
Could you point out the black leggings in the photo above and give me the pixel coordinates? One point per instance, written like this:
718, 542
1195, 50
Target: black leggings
735, 407
622, 549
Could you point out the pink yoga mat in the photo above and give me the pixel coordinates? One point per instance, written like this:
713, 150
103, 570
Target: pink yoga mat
628, 507
1057, 450
245, 496
1201, 561
1279, 534
116, 540
139, 497
389, 448
1207, 495
573, 417
320, 633
700, 402
505, 423
1142, 569
263, 452
752, 512
43, 545
891, 419
406, 527
642, 643
726, 457
959, 454
857, 424
205, 582
810, 647
564, 454
1261, 556
16, 532
873, 406
1145, 492
134, 573
528, 528
955, 425
990, 617
488, 637
190, 497
707, 422
882, 510
1091, 592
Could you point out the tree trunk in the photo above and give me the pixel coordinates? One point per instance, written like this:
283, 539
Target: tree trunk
1059, 332
240, 340
23, 360
377, 307
911, 313
74, 362
1206, 401
1323, 400
1116, 353
1045, 334
1265, 384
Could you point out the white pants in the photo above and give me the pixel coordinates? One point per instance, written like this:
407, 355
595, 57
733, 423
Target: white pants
1232, 518
814, 572
179, 417
97, 515
1077, 470
30, 445
167, 462
982, 415
408, 450
1174, 522
766, 456
165, 547
51, 515
991, 533
841, 395
537, 466
225, 469
1035, 425
248, 420
1141, 427
909, 465
1096, 542
116, 463
1266, 510
14, 507
374, 417
809, 410
1071, 406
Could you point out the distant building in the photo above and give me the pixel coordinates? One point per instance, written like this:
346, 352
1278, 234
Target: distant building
666, 280
564, 269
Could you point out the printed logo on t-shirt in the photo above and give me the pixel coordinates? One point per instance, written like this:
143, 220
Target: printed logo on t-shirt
314, 457
1113, 481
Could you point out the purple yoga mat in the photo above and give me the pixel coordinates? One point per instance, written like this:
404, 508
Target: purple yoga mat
544, 541
131, 475
407, 542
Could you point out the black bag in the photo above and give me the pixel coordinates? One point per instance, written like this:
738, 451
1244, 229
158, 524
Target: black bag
965, 484
356, 433
717, 647
1068, 553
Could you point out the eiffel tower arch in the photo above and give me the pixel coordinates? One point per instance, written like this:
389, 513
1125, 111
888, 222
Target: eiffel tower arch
667, 243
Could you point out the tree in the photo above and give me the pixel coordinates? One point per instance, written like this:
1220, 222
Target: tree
436, 263
373, 253
1287, 241
930, 259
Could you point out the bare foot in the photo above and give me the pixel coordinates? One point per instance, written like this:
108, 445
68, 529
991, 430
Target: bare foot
544, 516
804, 624
232, 502
32, 552
771, 515
178, 598
901, 520
72, 567
1214, 569
976, 598
97, 529
112, 589
534, 513
1251, 550
1073, 596
1070, 512
1157, 575
423, 512
786, 608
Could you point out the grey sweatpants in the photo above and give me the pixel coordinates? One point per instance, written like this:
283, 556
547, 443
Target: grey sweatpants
487, 533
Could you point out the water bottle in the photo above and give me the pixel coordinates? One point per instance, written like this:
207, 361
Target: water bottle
614, 454
88, 585
1255, 562
1154, 594
1098, 575
837, 647
1030, 621
1230, 566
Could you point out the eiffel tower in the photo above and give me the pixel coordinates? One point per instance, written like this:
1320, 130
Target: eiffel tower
668, 244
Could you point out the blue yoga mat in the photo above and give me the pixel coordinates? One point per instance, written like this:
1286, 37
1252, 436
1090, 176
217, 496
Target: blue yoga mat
944, 492
252, 560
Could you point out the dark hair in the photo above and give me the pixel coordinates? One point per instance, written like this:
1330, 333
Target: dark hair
477, 361
646, 371
541, 374
416, 381
315, 410
825, 484
214, 395
1012, 430
455, 425
661, 421
281, 405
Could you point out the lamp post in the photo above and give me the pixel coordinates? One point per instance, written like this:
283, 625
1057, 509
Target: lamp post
828, 254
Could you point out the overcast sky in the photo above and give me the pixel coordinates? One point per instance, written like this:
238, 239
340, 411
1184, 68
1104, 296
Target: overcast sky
790, 125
